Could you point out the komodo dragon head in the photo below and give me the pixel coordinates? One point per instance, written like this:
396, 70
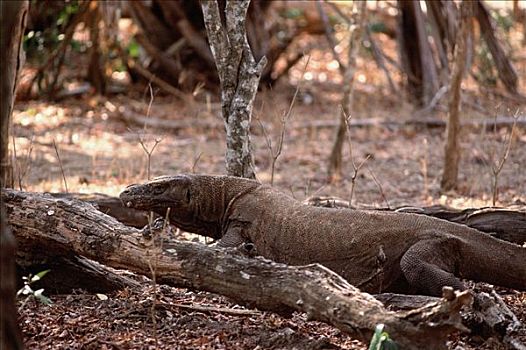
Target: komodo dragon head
197, 202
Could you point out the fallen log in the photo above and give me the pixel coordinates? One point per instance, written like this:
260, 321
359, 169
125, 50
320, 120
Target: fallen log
111, 206
68, 226
501, 223
131, 117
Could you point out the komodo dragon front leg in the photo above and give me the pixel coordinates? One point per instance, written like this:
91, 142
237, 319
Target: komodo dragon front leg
233, 237
428, 265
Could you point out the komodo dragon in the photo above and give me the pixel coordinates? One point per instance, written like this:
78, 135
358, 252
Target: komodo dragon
375, 251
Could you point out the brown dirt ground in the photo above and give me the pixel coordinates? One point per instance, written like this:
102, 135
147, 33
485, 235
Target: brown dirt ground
100, 152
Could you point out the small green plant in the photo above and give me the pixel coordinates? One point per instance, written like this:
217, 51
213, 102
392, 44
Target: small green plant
27, 292
381, 340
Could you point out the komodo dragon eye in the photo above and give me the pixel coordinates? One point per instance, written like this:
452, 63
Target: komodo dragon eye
157, 190
187, 196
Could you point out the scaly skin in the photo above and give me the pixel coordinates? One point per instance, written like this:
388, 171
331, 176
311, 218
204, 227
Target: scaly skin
375, 251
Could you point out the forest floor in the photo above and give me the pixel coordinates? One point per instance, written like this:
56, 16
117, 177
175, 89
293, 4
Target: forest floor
91, 143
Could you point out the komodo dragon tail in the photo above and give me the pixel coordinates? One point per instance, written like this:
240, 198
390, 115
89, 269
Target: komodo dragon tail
495, 261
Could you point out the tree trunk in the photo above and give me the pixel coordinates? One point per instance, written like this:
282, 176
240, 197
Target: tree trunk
13, 21
415, 51
335, 160
443, 18
453, 149
507, 73
239, 75
97, 59
10, 336
74, 227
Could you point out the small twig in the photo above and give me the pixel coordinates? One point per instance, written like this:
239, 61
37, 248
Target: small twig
424, 163
21, 172
434, 101
16, 163
380, 188
149, 152
60, 163
496, 166
223, 310
196, 160
150, 102
27, 164
284, 119
356, 168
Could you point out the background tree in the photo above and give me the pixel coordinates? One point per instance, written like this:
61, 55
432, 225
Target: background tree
239, 74
13, 20
356, 30
453, 149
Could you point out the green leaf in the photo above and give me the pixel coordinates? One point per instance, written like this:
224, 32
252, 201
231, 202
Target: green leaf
39, 276
381, 340
376, 340
133, 49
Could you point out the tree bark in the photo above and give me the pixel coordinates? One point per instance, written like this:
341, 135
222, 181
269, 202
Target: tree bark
415, 51
452, 148
507, 73
10, 336
443, 18
13, 21
97, 58
70, 226
239, 75
335, 160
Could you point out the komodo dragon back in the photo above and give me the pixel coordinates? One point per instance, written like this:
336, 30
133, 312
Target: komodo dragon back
375, 251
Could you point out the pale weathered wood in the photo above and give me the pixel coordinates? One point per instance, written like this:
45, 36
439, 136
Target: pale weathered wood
62, 226
239, 74
489, 317
111, 206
